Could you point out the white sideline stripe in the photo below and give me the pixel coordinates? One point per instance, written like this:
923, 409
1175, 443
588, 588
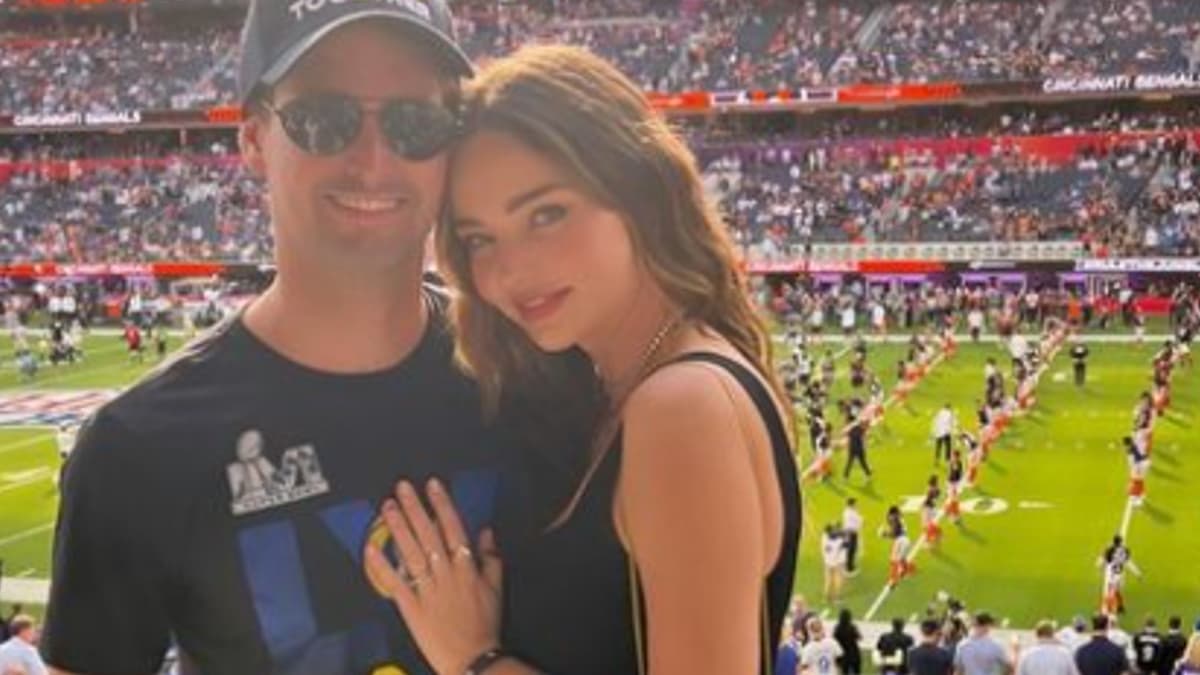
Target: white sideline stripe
1127, 519
25, 534
921, 541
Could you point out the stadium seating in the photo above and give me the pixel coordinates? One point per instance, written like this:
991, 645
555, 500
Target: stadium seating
730, 44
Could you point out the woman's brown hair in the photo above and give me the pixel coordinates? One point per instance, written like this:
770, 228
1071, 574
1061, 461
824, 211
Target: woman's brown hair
588, 118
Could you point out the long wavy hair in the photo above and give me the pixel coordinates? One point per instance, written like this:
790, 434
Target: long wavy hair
593, 122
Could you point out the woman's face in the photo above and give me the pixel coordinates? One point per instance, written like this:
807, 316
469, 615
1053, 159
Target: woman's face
541, 251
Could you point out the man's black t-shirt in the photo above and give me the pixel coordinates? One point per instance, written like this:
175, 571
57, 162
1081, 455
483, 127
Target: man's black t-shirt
927, 659
223, 503
1101, 657
1174, 644
1147, 650
889, 644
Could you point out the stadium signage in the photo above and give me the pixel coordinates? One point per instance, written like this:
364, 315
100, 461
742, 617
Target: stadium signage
1139, 265
1111, 83
75, 119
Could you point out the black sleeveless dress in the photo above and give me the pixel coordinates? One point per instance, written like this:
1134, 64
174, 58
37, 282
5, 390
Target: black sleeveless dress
567, 597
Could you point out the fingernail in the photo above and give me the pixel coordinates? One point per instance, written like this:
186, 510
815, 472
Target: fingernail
389, 505
406, 490
435, 487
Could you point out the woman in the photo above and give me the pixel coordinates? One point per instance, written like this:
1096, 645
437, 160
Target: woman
595, 289
848, 637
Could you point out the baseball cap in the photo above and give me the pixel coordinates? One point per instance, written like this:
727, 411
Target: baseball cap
278, 32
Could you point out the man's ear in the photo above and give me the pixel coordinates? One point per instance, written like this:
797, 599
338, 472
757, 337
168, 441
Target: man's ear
250, 143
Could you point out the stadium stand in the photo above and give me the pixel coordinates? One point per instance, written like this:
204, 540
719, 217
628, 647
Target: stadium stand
183, 60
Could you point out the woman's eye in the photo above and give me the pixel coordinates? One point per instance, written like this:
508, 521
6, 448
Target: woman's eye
547, 215
473, 243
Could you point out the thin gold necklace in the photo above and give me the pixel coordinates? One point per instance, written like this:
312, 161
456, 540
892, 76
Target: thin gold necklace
644, 362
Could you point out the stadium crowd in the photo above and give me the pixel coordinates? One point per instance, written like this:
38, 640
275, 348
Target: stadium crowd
153, 200
164, 61
1130, 199
948, 639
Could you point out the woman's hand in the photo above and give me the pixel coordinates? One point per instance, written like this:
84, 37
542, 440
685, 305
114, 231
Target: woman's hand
450, 604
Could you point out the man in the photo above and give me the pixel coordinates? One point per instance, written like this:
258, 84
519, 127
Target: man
1147, 648
852, 524
929, 658
19, 653
1075, 635
1174, 644
944, 425
891, 650
820, 656
1079, 353
856, 442
980, 654
1048, 656
310, 404
1100, 656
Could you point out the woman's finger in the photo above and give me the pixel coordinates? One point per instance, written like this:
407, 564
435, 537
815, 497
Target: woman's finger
411, 554
398, 589
493, 565
448, 520
427, 535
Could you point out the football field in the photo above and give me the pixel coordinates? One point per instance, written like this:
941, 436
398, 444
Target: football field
1049, 499
1047, 502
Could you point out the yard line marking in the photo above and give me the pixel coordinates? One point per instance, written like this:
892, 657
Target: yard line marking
25, 534
921, 542
1127, 518
26, 573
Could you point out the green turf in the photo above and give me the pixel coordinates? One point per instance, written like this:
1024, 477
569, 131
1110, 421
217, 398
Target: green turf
1025, 564
1022, 564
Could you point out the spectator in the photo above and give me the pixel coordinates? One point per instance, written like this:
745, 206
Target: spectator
980, 654
14, 611
1100, 656
1147, 648
891, 650
847, 636
929, 657
822, 653
1075, 635
19, 652
1048, 656
1189, 663
1174, 644
787, 661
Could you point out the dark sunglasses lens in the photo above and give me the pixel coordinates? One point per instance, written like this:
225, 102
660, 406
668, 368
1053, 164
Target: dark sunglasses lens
322, 125
417, 130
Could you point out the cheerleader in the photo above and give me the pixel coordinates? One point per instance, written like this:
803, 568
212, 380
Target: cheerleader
954, 483
933, 533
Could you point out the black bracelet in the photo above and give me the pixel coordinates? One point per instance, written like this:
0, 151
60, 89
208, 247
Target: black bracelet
485, 660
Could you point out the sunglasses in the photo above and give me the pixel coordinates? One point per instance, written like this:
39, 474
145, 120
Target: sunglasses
326, 124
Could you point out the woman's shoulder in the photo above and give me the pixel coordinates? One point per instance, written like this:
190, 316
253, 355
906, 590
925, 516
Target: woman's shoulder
689, 394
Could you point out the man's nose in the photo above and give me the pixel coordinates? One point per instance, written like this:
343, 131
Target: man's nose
369, 155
